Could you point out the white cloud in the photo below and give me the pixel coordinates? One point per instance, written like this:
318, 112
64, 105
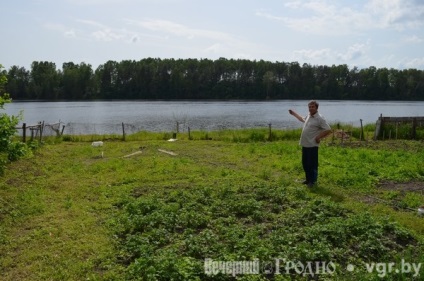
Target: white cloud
353, 52
91, 23
399, 14
215, 49
417, 63
107, 35
414, 39
293, 4
97, 2
319, 17
55, 27
89, 29
322, 54
179, 30
70, 34
332, 18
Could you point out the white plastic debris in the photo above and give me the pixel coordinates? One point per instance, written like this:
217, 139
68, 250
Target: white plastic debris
421, 211
97, 143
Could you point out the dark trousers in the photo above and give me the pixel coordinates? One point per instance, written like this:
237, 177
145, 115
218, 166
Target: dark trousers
310, 163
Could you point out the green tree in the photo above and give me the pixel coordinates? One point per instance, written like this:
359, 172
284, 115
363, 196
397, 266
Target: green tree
77, 81
9, 149
45, 80
268, 80
155, 78
18, 82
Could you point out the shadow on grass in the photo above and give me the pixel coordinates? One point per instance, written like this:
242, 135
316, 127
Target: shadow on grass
334, 195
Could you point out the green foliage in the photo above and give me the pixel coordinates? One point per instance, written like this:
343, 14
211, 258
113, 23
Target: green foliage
77, 212
154, 78
392, 131
168, 236
9, 150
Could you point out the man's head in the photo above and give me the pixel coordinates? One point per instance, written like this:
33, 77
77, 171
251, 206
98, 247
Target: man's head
313, 107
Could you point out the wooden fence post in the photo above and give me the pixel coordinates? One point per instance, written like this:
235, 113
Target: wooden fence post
123, 131
41, 130
414, 128
397, 125
378, 127
270, 132
24, 132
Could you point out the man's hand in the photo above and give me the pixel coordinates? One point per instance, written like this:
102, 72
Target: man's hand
298, 117
322, 135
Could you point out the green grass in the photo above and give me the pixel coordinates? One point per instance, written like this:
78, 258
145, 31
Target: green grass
67, 213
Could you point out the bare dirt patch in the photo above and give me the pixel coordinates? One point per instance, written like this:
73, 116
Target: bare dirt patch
414, 186
393, 193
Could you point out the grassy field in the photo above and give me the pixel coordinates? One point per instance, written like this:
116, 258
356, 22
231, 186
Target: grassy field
150, 209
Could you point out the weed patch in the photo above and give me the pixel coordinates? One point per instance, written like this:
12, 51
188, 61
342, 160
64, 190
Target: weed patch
69, 212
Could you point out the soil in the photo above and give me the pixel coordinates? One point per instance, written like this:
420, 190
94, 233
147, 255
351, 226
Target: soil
402, 188
414, 186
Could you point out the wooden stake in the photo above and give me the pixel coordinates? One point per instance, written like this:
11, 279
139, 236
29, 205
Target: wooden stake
123, 131
24, 132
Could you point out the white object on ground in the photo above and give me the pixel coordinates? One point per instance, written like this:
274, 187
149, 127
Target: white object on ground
97, 143
167, 152
132, 154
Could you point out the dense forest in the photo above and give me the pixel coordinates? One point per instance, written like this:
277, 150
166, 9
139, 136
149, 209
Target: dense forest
154, 78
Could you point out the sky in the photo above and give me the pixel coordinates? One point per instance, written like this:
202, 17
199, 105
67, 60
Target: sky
358, 33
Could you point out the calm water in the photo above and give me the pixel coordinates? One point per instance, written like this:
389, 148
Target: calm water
104, 117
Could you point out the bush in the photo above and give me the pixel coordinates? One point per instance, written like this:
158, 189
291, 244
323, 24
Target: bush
10, 150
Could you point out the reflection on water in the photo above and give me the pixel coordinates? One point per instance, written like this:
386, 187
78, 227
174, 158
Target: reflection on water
103, 117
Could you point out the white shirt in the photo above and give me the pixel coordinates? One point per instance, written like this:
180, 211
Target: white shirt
313, 126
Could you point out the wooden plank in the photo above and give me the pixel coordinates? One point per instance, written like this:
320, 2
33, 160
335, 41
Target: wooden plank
167, 152
132, 154
377, 129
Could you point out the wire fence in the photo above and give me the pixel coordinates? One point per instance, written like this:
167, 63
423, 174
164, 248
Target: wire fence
384, 130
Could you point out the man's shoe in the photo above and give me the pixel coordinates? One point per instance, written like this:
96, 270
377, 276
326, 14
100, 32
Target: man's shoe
311, 184
305, 182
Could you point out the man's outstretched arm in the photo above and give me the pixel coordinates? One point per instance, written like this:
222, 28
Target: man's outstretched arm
298, 117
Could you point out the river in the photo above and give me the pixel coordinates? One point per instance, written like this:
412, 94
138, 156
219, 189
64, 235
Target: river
105, 117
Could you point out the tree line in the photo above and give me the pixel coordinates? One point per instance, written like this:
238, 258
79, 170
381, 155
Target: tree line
154, 78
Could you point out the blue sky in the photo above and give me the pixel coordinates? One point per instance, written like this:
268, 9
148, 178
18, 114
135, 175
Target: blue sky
380, 33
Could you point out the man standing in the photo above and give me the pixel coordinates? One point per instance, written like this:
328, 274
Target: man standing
315, 128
